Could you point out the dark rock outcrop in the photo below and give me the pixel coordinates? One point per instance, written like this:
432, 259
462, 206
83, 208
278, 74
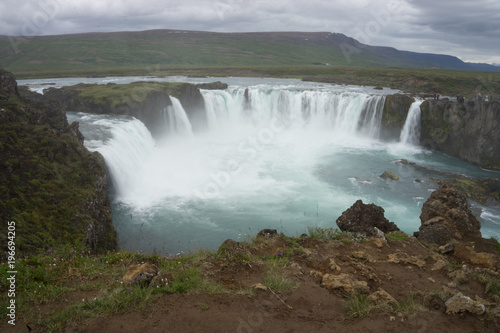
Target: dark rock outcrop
362, 218
193, 103
50, 184
212, 86
145, 101
395, 111
446, 216
267, 233
140, 275
8, 82
468, 131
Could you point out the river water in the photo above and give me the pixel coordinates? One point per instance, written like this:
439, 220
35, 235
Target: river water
294, 155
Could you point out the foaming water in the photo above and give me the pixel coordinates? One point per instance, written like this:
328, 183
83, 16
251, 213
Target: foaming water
285, 157
410, 134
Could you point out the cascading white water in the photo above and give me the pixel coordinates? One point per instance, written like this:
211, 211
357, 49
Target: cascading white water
176, 119
346, 113
125, 151
410, 134
272, 156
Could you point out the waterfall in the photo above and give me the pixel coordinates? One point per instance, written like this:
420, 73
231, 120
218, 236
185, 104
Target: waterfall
410, 134
348, 113
176, 119
125, 151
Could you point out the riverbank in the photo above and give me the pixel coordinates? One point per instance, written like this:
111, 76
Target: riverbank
416, 81
324, 281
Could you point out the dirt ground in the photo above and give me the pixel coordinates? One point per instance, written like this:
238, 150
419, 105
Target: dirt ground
399, 267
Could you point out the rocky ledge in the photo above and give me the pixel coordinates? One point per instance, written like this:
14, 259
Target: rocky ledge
145, 101
468, 131
369, 278
51, 186
444, 280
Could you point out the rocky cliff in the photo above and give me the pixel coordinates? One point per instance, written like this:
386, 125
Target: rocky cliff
51, 186
395, 111
468, 131
145, 101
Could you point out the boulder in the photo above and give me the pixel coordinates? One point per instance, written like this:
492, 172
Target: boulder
446, 216
267, 233
230, 246
344, 282
362, 218
140, 275
389, 175
460, 304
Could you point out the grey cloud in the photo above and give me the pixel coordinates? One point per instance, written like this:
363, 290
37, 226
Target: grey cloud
468, 29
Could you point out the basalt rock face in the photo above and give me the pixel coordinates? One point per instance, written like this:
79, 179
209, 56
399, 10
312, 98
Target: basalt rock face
146, 101
395, 111
8, 82
213, 86
468, 131
362, 218
193, 103
51, 186
446, 216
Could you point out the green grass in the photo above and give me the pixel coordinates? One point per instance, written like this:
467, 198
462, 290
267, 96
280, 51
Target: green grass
334, 234
409, 305
397, 236
359, 305
276, 279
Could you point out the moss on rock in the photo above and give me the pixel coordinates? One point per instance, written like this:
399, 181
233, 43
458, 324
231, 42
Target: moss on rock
51, 185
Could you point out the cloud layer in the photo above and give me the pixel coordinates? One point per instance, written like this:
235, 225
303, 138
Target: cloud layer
467, 29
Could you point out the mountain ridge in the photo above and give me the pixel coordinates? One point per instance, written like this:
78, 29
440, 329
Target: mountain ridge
202, 48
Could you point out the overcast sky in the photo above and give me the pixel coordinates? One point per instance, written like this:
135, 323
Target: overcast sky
469, 29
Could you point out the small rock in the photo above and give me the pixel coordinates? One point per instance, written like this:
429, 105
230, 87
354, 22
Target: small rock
267, 233
404, 258
259, 286
460, 304
377, 233
382, 297
440, 264
432, 280
379, 242
359, 255
344, 282
140, 275
307, 252
445, 249
316, 274
333, 265
389, 175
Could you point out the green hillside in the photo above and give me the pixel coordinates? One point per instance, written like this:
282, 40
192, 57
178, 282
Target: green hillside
174, 49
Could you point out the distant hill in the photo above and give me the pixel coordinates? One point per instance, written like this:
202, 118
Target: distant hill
177, 48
